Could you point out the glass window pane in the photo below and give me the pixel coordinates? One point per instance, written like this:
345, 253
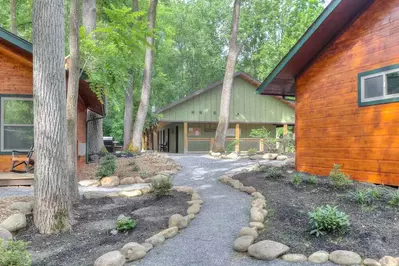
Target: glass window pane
393, 83
18, 137
18, 112
374, 87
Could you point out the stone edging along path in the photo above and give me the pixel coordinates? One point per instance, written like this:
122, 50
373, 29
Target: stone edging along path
270, 250
134, 251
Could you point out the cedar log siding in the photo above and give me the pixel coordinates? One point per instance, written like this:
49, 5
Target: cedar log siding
331, 127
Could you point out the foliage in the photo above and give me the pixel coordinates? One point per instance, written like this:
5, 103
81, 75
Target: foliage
162, 186
338, 178
107, 166
252, 151
394, 198
328, 219
231, 146
14, 253
286, 145
124, 223
273, 173
297, 178
144, 174
312, 179
366, 196
269, 142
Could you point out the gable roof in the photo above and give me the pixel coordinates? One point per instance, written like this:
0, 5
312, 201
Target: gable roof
248, 78
335, 18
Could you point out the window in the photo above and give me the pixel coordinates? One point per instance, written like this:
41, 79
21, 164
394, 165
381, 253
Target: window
379, 86
16, 123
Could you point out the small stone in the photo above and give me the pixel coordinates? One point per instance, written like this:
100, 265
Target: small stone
145, 190
191, 216
248, 231
388, 261
270, 156
14, 222
242, 243
139, 180
4, 235
128, 181
113, 258
22, 207
112, 195
195, 196
114, 232
110, 181
130, 194
371, 262
257, 195
170, 232
248, 190
281, 158
232, 156
255, 157
256, 215
289, 163
147, 246
225, 179
194, 209
133, 251
319, 257
344, 257
188, 190
267, 250
191, 202
155, 240
259, 203
89, 183
177, 220
294, 257
215, 154
95, 194
236, 184
257, 225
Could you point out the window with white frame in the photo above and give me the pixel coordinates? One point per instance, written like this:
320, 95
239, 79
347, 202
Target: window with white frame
16, 123
379, 86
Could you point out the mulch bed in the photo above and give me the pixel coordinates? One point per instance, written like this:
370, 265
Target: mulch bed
374, 230
91, 236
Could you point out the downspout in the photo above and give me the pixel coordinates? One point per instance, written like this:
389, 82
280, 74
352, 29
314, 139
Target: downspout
87, 122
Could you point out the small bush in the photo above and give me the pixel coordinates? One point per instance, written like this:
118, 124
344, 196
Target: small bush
265, 135
14, 253
312, 179
394, 198
107, 166
366, 196
232, 145
338, 178
124, 223
162, 186
273, 173
297, 178
328, 219
144, 174
251, 152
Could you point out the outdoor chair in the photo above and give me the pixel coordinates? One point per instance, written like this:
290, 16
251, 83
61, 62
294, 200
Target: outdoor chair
22, 158
164, 147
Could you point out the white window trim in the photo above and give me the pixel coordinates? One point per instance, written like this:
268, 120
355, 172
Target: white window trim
2, 125
385, 88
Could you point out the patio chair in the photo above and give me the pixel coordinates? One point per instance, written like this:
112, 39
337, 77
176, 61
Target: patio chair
22, 158
164, 147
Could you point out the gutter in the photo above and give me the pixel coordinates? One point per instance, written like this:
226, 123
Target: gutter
87, 123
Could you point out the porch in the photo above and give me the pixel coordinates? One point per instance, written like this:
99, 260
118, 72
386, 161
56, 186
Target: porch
16, 179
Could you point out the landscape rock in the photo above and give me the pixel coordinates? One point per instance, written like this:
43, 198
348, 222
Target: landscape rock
89, 183
128, 181
257, 225
177, 220
170, 232
195, 196
257, 195
289, 163
259, 203
270, 156
110, 181
225, 179
188, 190
113, 258
319, 257
145, 190
14, 222
236, 184
22, 207
190, 216
344, 257
256, 215
249, 231
232, 156
388, 261
371, 262
281, 158
155, 240
267, 250
242, 243
4, 235
194, 209
130, 194
147, 246
191, 202
248, 190
133, 251
215, 154
95, 194
255, 157
294, 257
139, 180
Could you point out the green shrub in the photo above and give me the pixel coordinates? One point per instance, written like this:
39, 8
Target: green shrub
366, 196
14, 253
124, 223
265, 135
273, 173
232, 145
107, 166
338, 178
162, 186
251, 152
297, 178
394, 198
312, 179
328, 219
144, 174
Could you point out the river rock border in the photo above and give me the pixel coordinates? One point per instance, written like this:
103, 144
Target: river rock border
134, 251
270, 250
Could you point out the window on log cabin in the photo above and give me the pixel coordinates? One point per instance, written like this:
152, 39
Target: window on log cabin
379, 86
16, 123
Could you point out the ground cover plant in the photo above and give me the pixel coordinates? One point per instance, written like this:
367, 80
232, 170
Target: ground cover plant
273, 173
162, 186
338, 178
328, 219
107, 166
14, 253
125, 223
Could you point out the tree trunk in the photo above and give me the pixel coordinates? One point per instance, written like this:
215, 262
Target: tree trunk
220, 136
13, 20
72, 99
51, 214
146, 88
89, 15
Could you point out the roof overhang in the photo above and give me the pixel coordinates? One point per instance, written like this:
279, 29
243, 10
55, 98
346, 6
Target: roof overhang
336, 17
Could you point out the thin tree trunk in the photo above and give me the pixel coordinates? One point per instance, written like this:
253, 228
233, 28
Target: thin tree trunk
72, 99
89, 15
146, 88
220, 136
13, 20
51, 214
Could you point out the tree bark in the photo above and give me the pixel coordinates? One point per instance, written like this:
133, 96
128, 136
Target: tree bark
146, 88
51, 214
89, 15
72, 99
220, 136
13, 20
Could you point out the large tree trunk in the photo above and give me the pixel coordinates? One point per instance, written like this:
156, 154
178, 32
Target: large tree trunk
146, 88
72, 99
13, 21
89, 15
220, 136
51, 214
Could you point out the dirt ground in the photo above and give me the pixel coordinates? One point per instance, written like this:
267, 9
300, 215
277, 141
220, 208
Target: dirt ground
374, 230
5, 204
95, 219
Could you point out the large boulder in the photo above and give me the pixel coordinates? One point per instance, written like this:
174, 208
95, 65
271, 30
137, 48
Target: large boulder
270, 156
281, 158
22, 207
319, 257
177, 220
4, 235
133, 251
14, 222
113, 258
90, 183
344, 257
242, 243
110, 181
128, 180
267, 250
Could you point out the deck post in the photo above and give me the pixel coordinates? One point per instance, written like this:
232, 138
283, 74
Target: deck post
145, 139
237, 146
185, 138
261, 146
285, 131
211, 141
155, 132
142, 141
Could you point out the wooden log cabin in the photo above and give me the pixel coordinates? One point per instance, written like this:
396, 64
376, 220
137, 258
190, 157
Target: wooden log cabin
344, 73
16, 102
